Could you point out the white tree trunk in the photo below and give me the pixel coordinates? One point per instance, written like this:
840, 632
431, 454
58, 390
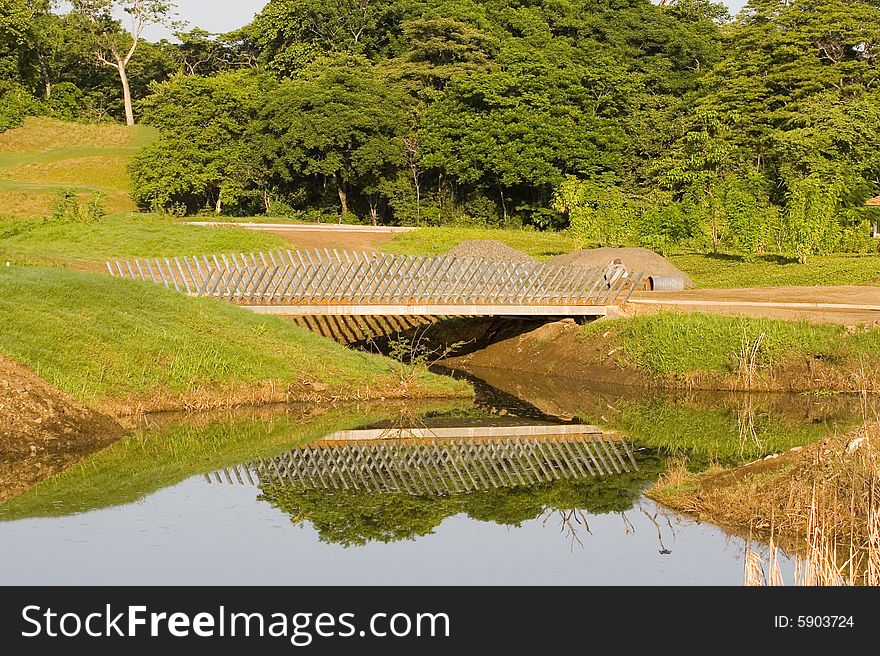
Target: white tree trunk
126, 93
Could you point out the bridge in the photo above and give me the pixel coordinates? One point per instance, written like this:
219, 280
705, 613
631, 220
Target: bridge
330, 282
441, 461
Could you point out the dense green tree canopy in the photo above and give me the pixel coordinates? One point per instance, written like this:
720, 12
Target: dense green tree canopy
629, 121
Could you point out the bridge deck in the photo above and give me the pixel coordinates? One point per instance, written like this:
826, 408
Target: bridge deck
432, 310
339, 282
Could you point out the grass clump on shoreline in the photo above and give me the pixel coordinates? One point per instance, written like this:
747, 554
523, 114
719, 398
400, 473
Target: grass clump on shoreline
820, 501
125, 346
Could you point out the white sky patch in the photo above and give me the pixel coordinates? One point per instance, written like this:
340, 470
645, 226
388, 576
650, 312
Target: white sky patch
226, 15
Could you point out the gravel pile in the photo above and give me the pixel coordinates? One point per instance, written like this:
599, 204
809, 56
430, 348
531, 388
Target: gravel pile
636, 260
490, 249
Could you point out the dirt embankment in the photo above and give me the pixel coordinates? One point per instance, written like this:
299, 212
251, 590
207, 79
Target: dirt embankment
559, 349
636, 260
491, 249
42, 430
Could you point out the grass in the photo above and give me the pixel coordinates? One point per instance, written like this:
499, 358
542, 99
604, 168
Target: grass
140, 235
670, 343
120, 345
44, 156
708, 270
436, 241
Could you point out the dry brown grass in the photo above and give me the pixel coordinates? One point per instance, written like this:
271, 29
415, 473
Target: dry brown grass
822, 502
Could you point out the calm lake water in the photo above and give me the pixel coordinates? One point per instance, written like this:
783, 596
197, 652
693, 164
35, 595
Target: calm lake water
261, 497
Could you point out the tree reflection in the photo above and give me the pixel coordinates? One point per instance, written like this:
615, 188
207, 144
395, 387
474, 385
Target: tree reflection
358, 517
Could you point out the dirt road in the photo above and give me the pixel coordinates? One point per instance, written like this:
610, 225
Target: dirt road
845, 305
324, 235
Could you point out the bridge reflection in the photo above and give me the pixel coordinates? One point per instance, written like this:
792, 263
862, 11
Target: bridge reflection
442, 461
390, 484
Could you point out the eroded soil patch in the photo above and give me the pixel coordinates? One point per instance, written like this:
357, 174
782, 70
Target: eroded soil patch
42, 430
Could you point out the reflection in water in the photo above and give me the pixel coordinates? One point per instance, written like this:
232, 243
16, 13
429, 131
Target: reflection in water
387, 485
441, 493
466, 496
726, 428
417, 465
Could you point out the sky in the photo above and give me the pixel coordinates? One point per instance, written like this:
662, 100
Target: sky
227, 15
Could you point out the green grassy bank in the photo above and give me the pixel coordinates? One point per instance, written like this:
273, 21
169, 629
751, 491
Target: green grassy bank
436, 241
670, 343
707, 270
120, 345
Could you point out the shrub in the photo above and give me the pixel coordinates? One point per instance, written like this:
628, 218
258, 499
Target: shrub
68, 208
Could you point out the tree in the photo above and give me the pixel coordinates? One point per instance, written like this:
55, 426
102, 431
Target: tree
598, 213
337, 121
203, 53
114, 46
293, 33
202, 157
698, 167
525, 124
811, 209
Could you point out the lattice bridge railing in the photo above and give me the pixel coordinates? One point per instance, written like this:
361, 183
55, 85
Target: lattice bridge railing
438, 467
341, 278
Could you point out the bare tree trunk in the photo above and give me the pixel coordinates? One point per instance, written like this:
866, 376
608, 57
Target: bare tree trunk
418, 196
126, 93
218, 206
503, 204
343, 197
374, 210
440, 198
47, 81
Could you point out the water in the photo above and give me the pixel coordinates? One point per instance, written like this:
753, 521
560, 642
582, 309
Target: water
144, 511
195, 533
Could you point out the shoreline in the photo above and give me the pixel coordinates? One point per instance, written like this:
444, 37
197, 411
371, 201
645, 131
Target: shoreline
562, 350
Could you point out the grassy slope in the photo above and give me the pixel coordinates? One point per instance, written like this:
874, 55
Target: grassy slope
108, 341
670, 343
44, 156
121, 237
